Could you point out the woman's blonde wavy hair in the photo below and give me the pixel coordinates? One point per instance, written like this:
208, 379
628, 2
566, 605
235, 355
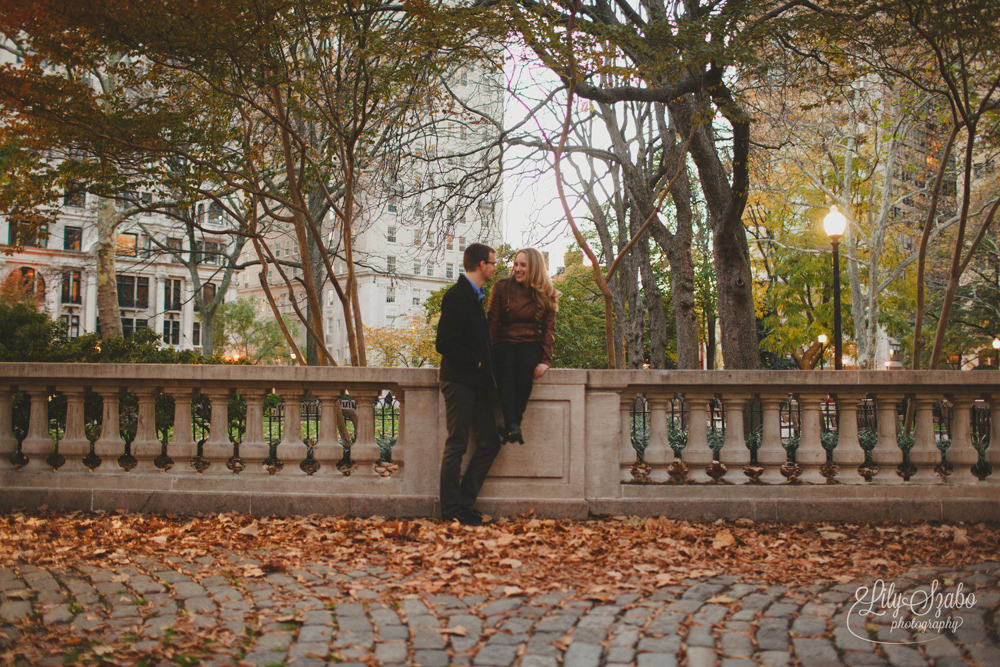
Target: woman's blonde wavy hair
545, 295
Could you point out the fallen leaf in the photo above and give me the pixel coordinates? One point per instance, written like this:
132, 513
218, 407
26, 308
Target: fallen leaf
723, 539
457, 630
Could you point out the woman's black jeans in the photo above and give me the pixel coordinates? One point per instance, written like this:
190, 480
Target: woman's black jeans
514, 365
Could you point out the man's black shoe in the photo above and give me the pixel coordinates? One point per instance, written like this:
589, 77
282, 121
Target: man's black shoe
504, 434
514, 434
470, 517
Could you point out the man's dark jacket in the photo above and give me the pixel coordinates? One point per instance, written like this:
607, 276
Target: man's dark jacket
463, 338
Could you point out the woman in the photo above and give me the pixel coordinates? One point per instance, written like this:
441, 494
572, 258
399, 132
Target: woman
522, 321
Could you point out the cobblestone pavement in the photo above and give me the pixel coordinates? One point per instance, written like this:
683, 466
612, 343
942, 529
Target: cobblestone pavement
226, 609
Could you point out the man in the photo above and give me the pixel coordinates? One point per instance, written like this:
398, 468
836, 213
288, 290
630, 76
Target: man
467, 382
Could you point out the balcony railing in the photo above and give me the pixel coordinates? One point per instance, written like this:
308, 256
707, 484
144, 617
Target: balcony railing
759, 444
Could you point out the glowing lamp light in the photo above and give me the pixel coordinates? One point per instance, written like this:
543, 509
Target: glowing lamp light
834, 223
821, 339
996, 343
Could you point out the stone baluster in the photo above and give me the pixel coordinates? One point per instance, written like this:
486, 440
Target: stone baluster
887, 455
218, 448
961, 454
993, 451
327, 450
697, 454
627, 455
365, 452
182, 448
658, 454
771, 455
925, 455
145, 446
848, 454
37, 444
398, 452
734, 453
109, 446
810, 455
8, 443
291, 431
74, 444
254, 448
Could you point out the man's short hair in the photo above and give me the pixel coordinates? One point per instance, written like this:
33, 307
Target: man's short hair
474, 254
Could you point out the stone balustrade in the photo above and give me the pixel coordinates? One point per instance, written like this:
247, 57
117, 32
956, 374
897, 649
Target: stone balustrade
765, 445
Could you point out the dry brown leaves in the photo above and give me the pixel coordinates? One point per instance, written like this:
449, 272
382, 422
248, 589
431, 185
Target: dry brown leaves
525, 554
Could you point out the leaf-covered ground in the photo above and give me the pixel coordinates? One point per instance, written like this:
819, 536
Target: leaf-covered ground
427, 556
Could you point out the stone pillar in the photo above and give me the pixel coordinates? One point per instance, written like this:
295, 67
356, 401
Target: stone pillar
887, 455
734, 454
771, 455
146, 447
961, 454
627, 456
157, 301
37, 444
109, 446
74, 445
182, 447
993, 451
218, 448
89, 319
697, 454
658, 453
254, 448
848, 454
810, 455
365, 452
925, 455
8, 443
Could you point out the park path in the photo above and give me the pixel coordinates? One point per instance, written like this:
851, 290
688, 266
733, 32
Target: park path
242, 608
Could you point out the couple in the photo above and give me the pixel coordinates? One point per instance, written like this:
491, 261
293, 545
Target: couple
507, 350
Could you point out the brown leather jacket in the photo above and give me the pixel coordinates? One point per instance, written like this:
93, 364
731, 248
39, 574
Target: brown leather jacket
512, 317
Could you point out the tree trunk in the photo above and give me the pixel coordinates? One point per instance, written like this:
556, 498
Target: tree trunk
654, 306
108, 312
725, 201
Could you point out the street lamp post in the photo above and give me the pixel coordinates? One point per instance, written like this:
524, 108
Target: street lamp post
996, 346
821, 339
835, 224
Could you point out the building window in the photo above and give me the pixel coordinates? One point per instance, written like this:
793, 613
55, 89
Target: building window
416, 297
209, 252
133, 291
128, 245
390, 264
196, 334
75, 196
461, 269
72, 238
393, 206
172, 295
31, 281
430, 269
449, 242
130, 326
449, 270
430, 239
72, 323
27, 235
462, 245
390, 235
416, 267
390, 295
172, 332
214, 213
71, 288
